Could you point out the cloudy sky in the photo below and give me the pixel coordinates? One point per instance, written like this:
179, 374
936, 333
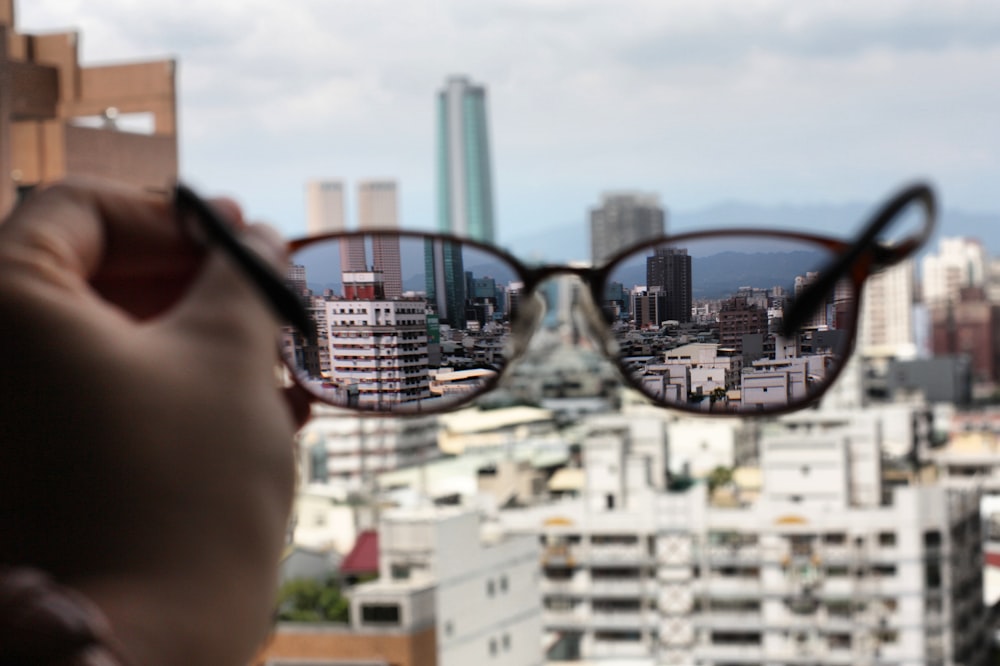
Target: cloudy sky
701, 101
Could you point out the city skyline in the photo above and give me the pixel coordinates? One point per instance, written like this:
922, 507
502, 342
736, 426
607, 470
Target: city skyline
773, 105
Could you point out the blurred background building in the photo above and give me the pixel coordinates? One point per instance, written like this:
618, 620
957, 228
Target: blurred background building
624, 218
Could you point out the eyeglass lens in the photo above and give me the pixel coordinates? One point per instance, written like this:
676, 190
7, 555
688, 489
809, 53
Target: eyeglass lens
410, 323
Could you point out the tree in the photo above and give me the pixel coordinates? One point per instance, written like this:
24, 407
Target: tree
310, 600
719, 477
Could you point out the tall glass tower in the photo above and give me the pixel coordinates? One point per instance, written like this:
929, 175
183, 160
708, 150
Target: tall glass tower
465, 192
465, 182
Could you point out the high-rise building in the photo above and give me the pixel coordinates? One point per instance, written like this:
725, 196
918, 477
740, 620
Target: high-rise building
624, 218
325, 207
377, 209
971, 327
60, 119
886, 326
378, 346
325, 213
668, 271
465, 192
444, 281
465, 182
958, 263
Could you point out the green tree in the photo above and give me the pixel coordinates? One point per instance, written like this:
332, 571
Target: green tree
310, 600
719, 477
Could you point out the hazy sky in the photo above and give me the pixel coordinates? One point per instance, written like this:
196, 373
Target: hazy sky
765, 101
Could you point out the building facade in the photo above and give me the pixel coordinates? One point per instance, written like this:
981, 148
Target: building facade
478, 585
958, 263
325, 207
668, 271
622, 219
59, 119
465, 180
826, 565
378, 210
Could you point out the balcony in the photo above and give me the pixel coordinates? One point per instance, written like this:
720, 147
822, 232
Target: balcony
571, 587
750, 620
621, 619
604, 649
733, 555
621, 587
750, 653
571, 618
598, 554
727, 587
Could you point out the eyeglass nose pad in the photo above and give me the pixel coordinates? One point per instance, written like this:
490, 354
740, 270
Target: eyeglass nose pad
529, 315
596, 326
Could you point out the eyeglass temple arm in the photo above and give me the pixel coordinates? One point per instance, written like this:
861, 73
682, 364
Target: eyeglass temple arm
271, 287
881, 255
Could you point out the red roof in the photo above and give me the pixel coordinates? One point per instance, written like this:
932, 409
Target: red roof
363, 558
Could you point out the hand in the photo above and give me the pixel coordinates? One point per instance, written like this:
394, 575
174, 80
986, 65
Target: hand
145, 447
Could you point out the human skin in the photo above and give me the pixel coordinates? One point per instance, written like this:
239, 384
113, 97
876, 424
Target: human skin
145, 447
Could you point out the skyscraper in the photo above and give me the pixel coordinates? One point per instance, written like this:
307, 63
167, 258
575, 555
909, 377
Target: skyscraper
465, 182
668, 271
325, 214
325, 207
465, 192
958, 263
886, 327
377, 209
624, 218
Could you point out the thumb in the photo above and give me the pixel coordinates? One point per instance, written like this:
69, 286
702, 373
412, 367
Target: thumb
224, 309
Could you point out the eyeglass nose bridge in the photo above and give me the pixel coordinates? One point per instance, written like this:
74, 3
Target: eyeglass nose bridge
531, 313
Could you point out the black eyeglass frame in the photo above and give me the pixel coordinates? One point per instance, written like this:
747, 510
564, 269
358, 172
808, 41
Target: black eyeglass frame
856, 259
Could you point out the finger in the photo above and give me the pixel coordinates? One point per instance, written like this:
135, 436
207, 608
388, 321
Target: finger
148, 293
225, 310
83, 229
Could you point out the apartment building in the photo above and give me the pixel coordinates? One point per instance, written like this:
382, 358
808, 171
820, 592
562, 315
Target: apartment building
451, 591
339, 446
479, 584
825, 566
58, 118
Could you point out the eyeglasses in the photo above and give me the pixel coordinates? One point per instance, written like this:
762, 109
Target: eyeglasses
727, 322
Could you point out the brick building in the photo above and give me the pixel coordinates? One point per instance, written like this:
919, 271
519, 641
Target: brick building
970, 326
51, 112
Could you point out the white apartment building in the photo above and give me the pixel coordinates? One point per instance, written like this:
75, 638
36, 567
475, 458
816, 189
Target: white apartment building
336, 445
958, 263
479, 587
886, 327
378, 347
822, 568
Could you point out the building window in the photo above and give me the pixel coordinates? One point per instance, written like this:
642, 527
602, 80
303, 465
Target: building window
400, 572
382, 614
503, 583
493, 647
506, 642
884, 570
887, 539
490, 588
